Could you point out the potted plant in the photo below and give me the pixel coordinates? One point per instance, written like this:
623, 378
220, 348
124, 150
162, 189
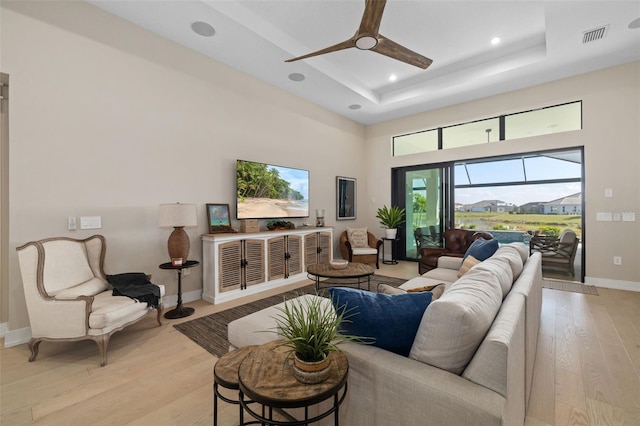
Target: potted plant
391, 218
310, 327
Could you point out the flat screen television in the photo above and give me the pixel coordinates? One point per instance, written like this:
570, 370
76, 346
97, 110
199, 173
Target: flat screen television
267, 191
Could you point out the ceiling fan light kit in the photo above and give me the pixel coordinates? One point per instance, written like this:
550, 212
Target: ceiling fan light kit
368, 38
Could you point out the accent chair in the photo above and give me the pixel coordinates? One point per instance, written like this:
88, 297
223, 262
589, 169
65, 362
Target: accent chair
68, 297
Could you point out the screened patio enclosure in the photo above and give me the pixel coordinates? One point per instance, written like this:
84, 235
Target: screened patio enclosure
512, 197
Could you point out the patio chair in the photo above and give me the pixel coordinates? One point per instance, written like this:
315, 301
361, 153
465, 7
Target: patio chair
557, 252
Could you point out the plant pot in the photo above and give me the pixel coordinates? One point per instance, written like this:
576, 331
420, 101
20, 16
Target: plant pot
311, 372
390, 234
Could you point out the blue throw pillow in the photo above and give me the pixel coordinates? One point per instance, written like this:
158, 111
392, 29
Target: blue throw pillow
482, 249
392, 320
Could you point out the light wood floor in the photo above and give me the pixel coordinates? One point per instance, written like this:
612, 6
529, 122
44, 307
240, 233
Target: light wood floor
587, 370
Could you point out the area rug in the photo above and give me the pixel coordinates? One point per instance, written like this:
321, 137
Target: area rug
570, 286
210, 332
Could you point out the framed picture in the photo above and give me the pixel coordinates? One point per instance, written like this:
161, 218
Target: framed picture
345, 198
218, 218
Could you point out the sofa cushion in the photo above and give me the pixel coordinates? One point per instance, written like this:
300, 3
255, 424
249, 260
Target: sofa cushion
422, 281
511, 255
392, 320
389, 289
467, 264
454, 325
500, 269
522, 248
358, 237
482, 249
442, 275
88, 288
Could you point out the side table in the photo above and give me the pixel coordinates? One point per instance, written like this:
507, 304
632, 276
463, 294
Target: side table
225, 374
266, 377
179, 311
394, 260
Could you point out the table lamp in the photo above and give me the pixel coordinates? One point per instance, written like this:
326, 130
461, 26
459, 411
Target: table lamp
178, 216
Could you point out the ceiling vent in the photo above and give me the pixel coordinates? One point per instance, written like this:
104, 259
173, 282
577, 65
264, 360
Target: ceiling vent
594, 34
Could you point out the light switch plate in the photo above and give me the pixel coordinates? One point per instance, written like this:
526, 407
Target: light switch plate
90, 222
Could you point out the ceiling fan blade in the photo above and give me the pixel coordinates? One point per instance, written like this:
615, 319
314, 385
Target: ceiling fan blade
393, 50
340, 46
371, 17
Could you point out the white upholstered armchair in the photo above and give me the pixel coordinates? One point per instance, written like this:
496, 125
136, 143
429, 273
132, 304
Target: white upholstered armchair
68, 297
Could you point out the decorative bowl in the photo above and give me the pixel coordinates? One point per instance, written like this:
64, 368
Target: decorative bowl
339, 263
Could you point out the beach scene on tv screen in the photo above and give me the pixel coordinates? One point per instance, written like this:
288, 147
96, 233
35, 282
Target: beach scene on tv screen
266, 191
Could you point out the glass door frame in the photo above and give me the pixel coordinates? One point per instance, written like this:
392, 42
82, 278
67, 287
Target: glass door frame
399, 197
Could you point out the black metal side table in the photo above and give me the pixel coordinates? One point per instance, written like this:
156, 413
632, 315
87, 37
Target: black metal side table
179, 311
394, 260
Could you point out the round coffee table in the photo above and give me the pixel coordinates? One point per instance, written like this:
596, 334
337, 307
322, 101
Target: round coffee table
225, 374
266, 377
353, 270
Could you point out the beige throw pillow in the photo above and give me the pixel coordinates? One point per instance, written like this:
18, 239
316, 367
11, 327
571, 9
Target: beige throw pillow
468, 263
358, 237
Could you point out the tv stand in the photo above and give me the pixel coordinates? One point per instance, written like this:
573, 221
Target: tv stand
238, 265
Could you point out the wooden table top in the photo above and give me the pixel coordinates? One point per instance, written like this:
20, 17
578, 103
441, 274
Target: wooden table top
226, 369
353, 270
266, 376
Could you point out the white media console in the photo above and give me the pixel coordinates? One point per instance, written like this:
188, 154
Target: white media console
239, 264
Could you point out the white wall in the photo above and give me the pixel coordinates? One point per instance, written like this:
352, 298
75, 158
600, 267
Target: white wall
611, 140
110, 120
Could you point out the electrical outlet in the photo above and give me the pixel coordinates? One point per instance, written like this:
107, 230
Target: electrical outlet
617, 260
186, 272
71, 223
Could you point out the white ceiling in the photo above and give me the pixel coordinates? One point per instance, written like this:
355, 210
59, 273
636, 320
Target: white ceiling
540, 41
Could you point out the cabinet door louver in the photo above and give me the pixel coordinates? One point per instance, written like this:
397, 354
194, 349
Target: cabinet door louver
311, 249
325, 247
229, 265
254, 256
294, 248
276, 258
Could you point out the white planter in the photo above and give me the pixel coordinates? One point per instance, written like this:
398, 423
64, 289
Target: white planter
390, 233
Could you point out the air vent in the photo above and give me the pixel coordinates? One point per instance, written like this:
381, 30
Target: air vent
594, 34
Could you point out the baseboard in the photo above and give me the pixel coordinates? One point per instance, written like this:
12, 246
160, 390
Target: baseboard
190, 296
17, 337
614, 284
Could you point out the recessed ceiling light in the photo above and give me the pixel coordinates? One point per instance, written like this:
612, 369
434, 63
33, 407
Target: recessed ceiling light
203, 29
296, 76
355, 106
495, 41
393, 77
635, 24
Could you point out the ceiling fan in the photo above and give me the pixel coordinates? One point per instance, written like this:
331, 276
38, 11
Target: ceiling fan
368, 38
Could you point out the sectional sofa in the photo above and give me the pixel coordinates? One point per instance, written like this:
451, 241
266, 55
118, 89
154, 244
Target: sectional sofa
472, 358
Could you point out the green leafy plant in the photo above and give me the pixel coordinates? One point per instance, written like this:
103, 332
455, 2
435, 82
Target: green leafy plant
311, 327
280, 224
391, 217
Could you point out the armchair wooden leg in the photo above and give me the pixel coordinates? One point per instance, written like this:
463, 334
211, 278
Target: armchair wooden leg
34, 345
159, 311
103, 342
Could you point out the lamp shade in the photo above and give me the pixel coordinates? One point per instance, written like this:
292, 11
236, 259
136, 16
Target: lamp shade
172, 215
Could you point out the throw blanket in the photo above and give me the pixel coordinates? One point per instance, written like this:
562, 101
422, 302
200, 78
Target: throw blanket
137, 286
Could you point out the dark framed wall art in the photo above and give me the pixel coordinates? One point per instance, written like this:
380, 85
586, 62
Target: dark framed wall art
218, 218
345, 198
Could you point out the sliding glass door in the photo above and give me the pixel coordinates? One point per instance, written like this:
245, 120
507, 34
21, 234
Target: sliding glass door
421, 190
